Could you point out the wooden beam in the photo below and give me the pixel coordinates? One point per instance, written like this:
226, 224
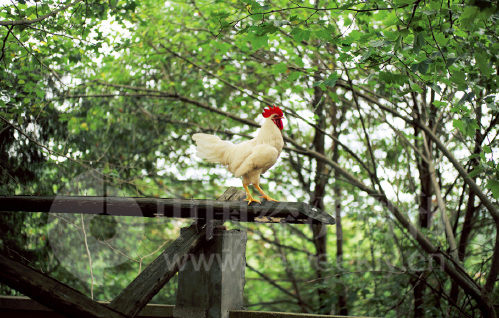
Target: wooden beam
50, 292
271, 314
143, 288
22, 307
268, 212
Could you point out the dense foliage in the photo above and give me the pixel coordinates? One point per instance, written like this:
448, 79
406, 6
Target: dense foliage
391, 127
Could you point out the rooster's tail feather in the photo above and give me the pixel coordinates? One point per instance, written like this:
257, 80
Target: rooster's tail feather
211, 148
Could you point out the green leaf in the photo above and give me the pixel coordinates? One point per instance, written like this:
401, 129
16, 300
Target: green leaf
299, 61
280, 23
279, 68
493, 185
220, 14
439, 104
471, 126
416, 88
326, 33
392, 78
419, 41
435, 87
468, 17
40, 93
456, 123
334, 97
376, 43
473, 156
300, 34
398, 43
266, 28
366, 55
331, 79
468, 97
423, 66
258, 41
257, 17
450, 61
482, 61
476, 170
294, 76
458, 77
21, 82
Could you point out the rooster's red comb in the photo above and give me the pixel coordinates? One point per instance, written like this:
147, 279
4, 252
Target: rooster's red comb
267, 112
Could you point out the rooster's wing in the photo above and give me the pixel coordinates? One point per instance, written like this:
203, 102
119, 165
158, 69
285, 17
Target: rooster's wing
259, 159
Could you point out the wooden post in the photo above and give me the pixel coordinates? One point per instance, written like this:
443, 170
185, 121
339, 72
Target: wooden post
212, 282
143, 288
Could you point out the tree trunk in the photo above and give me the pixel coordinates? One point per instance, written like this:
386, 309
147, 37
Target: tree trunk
342, 306
470, 209
320, 181
425, 204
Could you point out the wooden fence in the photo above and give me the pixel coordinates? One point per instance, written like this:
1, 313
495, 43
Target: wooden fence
206, 292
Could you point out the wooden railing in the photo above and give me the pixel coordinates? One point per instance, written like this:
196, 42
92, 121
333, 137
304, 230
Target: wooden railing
206, 292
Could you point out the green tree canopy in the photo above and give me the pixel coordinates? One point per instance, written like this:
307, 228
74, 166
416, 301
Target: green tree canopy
391, 126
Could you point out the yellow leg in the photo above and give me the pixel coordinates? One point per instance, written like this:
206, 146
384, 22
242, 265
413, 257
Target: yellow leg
264, 195
249, 197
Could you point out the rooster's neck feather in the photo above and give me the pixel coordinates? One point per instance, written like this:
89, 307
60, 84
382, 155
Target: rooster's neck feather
270, 134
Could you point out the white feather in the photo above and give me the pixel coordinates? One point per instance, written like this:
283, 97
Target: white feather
248, 159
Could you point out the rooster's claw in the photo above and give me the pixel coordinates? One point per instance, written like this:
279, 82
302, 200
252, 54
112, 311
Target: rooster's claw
251, 199
268, 198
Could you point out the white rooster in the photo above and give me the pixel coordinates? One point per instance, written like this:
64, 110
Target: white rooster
250, 158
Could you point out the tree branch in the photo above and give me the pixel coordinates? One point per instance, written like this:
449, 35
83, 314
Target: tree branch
462, 172
368, 140
4, 42
268, 101
290, 274
251, 123
43, 17
36, 57
441, 205
273, 283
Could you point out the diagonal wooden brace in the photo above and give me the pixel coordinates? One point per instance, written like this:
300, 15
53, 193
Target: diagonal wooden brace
143, 288
51, 293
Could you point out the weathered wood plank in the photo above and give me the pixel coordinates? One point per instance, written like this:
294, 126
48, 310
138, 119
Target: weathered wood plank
143, 288
268, 212
21, 306
50, 292
270, 314
25, 307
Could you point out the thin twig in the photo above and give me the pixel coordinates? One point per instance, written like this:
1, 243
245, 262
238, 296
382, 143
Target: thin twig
273, 283
438, 47
41, 63
368, 139
3, 46
216, 110
89, 257
43, 17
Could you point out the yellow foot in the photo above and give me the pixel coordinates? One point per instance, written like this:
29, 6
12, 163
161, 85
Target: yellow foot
251, 199
266, 197
263, 194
